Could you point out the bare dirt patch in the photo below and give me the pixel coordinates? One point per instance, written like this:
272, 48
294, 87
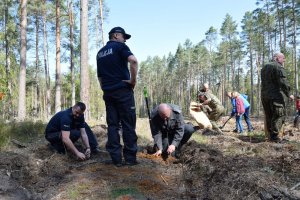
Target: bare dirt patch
228, 166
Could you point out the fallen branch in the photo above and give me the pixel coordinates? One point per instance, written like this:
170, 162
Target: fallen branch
164, 180
291, 194
295, 186
18, 144
83, 164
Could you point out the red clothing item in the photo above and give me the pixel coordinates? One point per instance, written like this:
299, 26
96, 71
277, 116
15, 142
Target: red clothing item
240, 109
298, 104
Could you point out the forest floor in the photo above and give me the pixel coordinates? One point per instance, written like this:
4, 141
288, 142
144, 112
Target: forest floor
227, 166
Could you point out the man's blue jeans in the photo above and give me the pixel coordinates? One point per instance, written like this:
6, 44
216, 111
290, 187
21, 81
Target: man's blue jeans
239, 125
247, 118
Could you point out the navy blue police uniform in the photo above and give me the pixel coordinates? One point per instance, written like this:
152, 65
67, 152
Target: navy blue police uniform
112, 68
64, 121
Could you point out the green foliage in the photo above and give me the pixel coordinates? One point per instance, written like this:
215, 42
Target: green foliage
74, 192
117, 192
224, 57
201, 139
257, 135
26, 131
4, 134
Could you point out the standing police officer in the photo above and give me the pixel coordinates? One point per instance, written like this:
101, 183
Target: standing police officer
169, 130
274, 91
117, 83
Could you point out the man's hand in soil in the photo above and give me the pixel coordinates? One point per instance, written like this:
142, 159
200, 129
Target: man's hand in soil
87, 152
171, 149
158, 153
80, 155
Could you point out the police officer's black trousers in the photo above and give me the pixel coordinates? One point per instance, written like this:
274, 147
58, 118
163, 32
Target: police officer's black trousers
188, 132
120, 107
56, 141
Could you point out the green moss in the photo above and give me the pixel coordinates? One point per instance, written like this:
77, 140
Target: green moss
200, 138
115, 193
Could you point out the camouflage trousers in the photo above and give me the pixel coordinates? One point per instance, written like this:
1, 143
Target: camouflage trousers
215, 115
275, 113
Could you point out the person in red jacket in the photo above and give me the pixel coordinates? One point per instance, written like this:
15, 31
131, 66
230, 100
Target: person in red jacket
297, 118
240, 110
298, 105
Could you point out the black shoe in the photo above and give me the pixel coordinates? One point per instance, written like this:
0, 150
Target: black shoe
176, 154
196, 128
97, 150
235, 131
283, 141
279, 141
119, 165
56, 148
131, 163
251, 129
275, 139
110, 162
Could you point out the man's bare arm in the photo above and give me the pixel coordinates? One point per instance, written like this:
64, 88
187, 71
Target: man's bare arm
133, 70
69, 144
85, 141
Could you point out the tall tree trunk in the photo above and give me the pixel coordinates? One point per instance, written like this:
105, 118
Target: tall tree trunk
279, 24
58, 70
224, 77
71, 21
101, 21
283, 26
7, 67
238, 85
84, 65
97, 27
258, 66
270, 54
22, 78
251, 75
232, 65
295, 63
37, 104
46, 66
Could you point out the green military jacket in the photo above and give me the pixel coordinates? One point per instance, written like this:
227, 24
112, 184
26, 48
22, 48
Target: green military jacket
214, 101
274, 83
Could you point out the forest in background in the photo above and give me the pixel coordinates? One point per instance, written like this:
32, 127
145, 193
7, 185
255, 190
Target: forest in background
34, 33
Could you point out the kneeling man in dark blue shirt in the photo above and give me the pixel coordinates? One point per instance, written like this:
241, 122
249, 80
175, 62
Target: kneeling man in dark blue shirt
66, 127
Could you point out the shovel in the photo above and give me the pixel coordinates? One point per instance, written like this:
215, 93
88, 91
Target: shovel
225, 122
147, 105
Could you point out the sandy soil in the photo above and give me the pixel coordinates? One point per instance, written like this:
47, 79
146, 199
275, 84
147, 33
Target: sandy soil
227, 166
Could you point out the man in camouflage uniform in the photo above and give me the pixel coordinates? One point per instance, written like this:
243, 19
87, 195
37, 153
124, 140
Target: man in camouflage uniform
169, 130
274, 92
216, 108
205, 89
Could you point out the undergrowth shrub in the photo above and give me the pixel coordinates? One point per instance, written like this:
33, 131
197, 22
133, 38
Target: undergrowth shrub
25, 131
4, 134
